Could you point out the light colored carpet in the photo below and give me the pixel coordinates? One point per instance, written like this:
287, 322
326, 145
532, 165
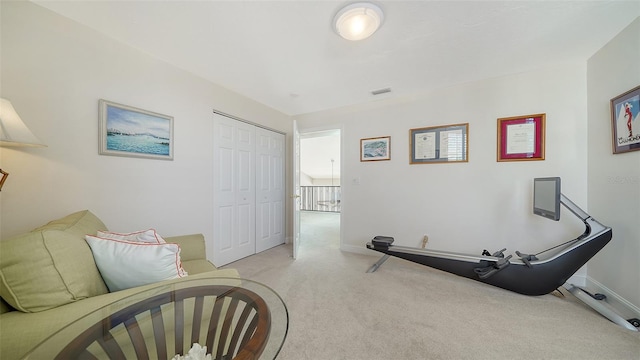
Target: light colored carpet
410, 311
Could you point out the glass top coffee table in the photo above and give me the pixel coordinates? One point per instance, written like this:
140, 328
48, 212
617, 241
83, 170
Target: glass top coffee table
234, 318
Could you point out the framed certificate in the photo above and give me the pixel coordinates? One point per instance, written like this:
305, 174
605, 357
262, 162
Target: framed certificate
521, 138
439, 144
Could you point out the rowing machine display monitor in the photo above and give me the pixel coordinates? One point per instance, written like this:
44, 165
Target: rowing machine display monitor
546, 197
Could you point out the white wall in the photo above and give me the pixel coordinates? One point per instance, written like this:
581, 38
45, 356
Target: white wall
305, 180
614, 180
54, 71
464, 207
326, 182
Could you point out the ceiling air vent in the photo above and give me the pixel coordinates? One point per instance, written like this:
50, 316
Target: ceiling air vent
381, 91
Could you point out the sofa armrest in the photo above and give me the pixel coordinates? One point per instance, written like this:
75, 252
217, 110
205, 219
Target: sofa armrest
192, 247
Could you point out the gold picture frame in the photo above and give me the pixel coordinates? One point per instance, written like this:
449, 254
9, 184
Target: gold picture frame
375, 149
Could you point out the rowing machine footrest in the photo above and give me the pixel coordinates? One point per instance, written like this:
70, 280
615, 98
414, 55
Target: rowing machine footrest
499, 253
382, 241
488, 271
526, 258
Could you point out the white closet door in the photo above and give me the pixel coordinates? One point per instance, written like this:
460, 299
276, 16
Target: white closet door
234, 184
270, 183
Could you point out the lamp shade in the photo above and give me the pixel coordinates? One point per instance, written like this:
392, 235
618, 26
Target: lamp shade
358, 21
13, 131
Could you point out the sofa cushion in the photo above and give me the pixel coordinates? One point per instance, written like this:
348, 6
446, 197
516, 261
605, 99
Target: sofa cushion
148, 236
51, 265
127, 264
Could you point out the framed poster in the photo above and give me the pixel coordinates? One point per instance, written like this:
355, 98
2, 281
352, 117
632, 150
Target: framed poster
625, 126
521, 138
375, 149
439, 144
133, 132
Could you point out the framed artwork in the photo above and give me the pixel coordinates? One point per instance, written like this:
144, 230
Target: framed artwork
133, 132
439, 144
521, 138
625, 126
375, 149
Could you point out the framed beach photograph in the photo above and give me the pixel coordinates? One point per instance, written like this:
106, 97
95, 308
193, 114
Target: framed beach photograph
625, 126
521, 138
439, 144
375, 149
133, 132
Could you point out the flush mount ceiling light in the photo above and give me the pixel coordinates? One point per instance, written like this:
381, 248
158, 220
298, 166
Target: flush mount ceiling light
358, 21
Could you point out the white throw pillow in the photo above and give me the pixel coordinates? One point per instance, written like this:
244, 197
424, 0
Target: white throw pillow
127, 264
148, 236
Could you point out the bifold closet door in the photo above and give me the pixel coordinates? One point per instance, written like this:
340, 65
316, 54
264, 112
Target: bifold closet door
270, 196
235, 190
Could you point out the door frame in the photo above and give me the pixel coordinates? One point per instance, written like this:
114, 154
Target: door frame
324, 129
295, 196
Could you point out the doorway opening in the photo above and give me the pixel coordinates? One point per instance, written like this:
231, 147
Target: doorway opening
320, 191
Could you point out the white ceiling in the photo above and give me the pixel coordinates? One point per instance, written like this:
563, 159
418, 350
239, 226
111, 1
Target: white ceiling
285, 54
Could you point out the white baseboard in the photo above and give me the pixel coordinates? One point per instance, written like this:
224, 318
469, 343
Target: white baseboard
625, 308
578, 280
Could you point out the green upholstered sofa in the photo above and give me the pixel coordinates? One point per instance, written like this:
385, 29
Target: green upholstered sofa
48, 279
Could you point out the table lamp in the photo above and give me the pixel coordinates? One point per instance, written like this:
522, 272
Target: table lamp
13, 132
